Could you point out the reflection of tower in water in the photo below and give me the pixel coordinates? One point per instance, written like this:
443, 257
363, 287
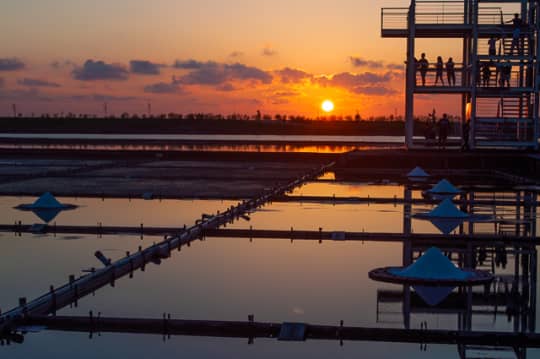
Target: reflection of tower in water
508, 304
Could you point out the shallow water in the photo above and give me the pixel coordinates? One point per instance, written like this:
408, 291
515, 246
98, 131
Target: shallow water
229, 278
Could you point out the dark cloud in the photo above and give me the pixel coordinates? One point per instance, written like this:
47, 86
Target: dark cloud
99, 70
36, 83
191, 64
11, 64
163, 88
213, 74
364, 83
268, 51
144, 67
289, 75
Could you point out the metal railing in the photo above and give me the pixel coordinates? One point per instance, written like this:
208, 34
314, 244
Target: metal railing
440, 13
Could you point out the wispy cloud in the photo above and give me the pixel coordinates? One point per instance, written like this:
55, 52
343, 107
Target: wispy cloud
61, 64
37, 83
357, 61
269, 51
236, 54
163, 88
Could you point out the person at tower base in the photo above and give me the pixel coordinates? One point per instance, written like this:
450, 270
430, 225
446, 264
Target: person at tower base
444, 126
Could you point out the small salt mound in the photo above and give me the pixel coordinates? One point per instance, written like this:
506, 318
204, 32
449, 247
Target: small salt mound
432, 265
46, 201
444, 187
418, 172
446, 209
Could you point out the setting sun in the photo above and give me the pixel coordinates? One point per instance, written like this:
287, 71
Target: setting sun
327, 106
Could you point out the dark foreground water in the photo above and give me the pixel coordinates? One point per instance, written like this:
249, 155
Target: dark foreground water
274, 279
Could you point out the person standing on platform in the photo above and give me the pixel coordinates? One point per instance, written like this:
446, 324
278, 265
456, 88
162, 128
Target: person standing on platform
492, 42
486, 73
451, 72
516, 33
439, 71
424, 65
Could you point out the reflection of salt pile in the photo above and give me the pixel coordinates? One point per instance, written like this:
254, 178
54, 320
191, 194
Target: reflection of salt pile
443, 190
418, 174
432, 265
446, 216
46, 207
433, 295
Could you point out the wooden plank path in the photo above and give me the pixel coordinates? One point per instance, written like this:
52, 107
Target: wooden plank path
71, 292
250, 329
398, 200
301, 235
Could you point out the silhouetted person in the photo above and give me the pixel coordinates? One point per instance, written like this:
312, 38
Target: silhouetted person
451, 72
516, 33
431, 132
439, 71
492, 42
486, 73
506, 73
423, 64
465, 129
444, 126
499, 76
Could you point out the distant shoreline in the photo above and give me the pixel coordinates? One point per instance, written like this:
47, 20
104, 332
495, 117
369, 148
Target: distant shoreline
201, 126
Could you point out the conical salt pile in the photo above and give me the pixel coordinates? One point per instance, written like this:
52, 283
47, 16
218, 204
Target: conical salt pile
433, 265
446, 209
444, 187
418, 172
46, 201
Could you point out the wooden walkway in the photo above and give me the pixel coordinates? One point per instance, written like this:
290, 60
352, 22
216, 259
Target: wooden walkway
301, 332
291, 234
71, 292
398, 200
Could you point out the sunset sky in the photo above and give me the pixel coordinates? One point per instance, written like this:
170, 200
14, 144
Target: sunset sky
211, 56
